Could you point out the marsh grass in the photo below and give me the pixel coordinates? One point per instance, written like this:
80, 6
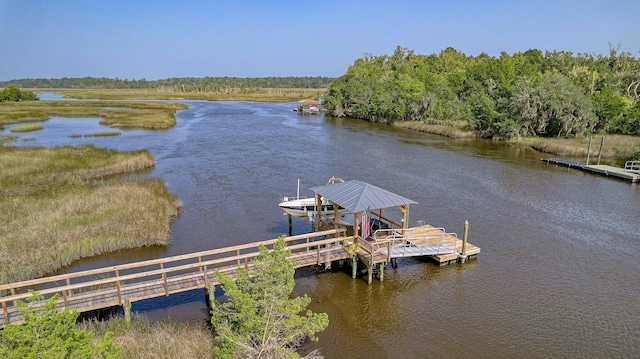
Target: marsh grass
454, 130
103, 134
7, 138
75, 135
615, 146
226, 94
26, 128
57, 207
124, 114
141, 339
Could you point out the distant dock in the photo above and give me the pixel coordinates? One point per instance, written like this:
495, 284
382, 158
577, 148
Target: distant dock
608, 171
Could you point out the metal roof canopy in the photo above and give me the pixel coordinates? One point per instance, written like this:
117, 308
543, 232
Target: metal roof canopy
358, 196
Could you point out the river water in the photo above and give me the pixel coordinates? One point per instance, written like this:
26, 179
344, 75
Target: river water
558, 271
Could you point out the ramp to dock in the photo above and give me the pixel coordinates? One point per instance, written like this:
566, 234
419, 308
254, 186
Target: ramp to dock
112, 286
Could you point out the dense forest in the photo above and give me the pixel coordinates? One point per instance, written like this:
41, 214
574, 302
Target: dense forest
184, 84
528, 93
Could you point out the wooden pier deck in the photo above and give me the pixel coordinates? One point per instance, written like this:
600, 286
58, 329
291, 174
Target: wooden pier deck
605, 170
420, 241
610, 171
112, 286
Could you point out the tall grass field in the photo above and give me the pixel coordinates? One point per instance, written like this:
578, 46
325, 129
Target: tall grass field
141, 339
57, 205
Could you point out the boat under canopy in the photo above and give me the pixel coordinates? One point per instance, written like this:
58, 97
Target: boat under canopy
304, 206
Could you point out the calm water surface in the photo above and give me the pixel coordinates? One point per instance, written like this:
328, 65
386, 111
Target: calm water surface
558, 272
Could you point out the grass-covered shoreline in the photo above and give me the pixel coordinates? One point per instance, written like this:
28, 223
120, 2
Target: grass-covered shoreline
121, 114
616, 148
57, 206
228, 94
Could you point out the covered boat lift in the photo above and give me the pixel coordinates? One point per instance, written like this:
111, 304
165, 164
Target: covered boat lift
362, 198
363, 201
378, 239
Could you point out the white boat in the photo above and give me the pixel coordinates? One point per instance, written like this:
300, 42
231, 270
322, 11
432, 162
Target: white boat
304, 206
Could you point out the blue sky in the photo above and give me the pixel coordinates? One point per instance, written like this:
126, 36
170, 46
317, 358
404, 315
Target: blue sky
161, 39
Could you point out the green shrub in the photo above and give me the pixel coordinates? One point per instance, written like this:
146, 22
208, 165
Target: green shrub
48, 333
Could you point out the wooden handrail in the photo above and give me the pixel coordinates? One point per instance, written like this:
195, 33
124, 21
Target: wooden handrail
338, 232
202, 266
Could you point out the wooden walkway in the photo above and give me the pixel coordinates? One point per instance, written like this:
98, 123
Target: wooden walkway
112, 286
610, 171
605, 170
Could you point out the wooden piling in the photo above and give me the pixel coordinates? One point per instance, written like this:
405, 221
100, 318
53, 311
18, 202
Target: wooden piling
211, 294
354, 266
381, 276
588, 151
465, 234
127, 310
600, 150
369, 274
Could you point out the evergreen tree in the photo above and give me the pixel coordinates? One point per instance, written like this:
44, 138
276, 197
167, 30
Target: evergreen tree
48, 333
260, 319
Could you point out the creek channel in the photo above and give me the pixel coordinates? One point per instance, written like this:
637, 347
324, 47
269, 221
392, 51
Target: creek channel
558, 272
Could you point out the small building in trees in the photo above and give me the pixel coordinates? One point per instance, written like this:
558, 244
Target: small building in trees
308, 107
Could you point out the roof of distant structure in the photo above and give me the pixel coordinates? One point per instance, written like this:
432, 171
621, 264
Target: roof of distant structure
358, 196
308, 100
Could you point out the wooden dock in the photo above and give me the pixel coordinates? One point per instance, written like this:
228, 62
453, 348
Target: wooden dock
421, 241
608, 171
113, 286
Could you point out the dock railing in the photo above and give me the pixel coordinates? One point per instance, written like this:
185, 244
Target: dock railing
632, 166
110, 286
415, 241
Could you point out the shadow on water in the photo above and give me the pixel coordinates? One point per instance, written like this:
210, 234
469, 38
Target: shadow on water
557, 276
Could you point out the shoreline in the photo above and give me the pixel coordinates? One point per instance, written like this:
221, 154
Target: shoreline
616, 148
57, 206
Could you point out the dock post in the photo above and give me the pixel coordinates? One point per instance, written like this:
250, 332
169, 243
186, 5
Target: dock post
354, 267
382, 271
588, 151
127, 311
465, 234
211, 294
600, 151
369, 274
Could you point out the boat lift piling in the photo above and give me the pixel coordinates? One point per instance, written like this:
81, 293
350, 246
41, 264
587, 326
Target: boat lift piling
465, 234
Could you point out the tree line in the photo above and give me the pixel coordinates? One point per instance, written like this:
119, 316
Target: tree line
529, 93
184, 84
